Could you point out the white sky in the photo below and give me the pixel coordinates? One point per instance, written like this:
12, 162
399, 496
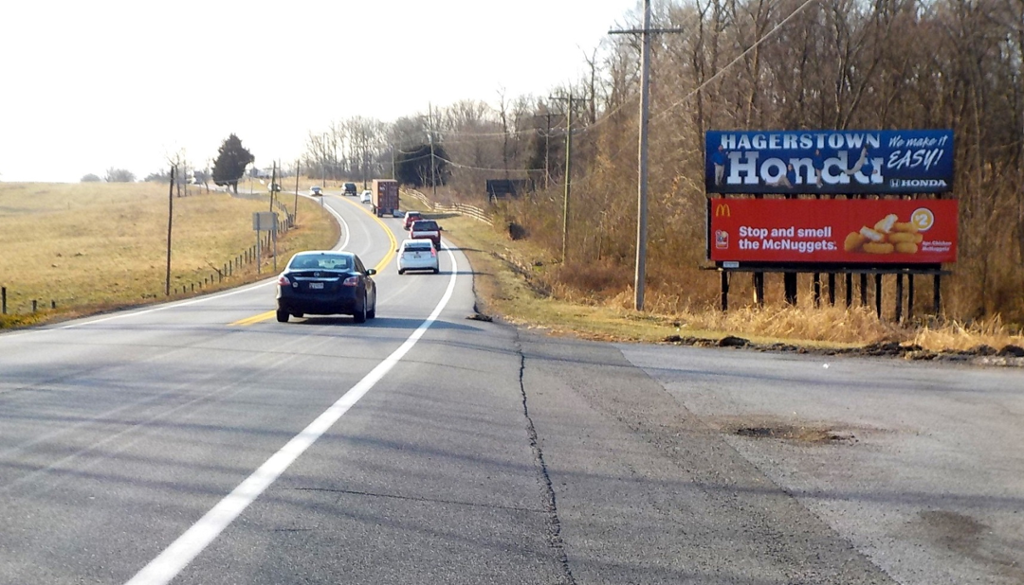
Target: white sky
94, 84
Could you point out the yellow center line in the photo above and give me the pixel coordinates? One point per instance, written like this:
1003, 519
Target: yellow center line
380, 266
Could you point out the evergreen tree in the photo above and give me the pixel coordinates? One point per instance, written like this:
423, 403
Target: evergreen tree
232, 158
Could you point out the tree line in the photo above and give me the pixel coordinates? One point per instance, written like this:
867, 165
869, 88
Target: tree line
739, 64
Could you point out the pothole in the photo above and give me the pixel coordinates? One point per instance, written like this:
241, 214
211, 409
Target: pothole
802, 434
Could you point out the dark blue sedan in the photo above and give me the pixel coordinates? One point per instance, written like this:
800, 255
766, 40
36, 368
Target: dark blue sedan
326, 283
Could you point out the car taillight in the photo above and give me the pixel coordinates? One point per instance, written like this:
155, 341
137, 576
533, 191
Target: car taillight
283, 281
351, 281
433, 253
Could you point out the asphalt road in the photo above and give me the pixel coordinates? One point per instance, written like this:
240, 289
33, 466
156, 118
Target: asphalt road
203, 442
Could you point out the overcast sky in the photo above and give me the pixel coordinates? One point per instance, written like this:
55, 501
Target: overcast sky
90, 85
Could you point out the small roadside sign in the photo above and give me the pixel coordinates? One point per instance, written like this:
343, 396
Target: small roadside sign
264, 221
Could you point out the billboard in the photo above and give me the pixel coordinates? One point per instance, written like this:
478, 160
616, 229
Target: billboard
829, 161
833, 231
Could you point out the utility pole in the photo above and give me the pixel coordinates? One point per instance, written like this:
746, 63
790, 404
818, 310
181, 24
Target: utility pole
433, 175
640, 278
170, 223
568, 173
547, 151
298, 170
273, 186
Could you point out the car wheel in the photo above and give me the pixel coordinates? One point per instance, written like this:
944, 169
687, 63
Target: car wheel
298, 315
436, 271
360, 316
282, 316
372, 313
401, 271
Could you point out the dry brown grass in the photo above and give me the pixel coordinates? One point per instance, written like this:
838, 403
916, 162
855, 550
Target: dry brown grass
523, 283
93, 246
960, 336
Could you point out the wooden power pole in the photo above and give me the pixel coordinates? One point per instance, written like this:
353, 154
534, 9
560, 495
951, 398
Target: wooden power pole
640, 278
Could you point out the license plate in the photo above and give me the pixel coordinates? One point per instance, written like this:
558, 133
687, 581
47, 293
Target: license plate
313, 285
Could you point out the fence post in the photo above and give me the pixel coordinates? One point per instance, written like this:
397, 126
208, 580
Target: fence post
53, 304
34, 302
3, 299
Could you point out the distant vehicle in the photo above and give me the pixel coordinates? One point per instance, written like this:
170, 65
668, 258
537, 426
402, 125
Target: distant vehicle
411, 216
351, 189
384, 197
365, 196
426, 229
326, 283
274, 187
417, 255
316, 191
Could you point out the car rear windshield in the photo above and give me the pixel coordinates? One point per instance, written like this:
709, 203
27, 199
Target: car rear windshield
418, 246
425, 226
323, 262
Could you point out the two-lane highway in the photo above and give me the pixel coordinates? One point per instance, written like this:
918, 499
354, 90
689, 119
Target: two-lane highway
174, 438
204, 442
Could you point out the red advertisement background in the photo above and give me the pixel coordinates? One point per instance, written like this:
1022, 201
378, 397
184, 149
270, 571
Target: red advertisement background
936, 220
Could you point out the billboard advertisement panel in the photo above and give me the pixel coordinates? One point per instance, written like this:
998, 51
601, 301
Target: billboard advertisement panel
833, 231
829, 161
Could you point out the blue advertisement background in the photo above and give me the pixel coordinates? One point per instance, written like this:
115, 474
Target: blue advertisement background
829, 161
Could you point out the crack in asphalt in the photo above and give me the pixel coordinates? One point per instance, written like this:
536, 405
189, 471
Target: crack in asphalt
550, 502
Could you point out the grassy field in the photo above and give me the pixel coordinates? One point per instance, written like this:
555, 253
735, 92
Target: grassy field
91, 247
514, 279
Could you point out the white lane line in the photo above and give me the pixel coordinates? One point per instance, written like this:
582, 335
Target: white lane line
344, 244
180, 553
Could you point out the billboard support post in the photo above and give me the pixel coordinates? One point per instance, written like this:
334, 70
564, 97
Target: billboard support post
725, 290
759, 289
817, 289
849, 290
899, 298
878, 295
789, 284
910, 296
832, 289
863, 289
937, 292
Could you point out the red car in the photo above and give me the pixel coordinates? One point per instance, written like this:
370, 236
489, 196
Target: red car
411, 216
426, 229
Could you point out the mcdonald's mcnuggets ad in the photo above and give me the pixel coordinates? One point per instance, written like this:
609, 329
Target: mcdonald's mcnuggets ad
844, 231
829, 161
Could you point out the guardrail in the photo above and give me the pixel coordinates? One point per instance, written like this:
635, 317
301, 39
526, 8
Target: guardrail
459, 208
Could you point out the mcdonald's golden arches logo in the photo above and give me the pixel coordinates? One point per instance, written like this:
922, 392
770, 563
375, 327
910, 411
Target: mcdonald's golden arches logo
722, 210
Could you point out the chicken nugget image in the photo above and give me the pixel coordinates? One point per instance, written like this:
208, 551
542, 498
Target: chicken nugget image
906, 248
905, 227
884, 225
854, 241
903, 238
876, 248
871, 234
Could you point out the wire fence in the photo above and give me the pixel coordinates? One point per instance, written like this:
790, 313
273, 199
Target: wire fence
14, 303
